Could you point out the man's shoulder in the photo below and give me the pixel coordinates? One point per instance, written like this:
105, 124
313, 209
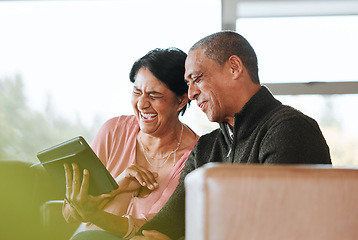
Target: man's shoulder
210, 143
284, 113
209, 137
290, 122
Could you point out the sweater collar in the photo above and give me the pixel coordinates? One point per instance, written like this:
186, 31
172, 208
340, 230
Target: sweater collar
251, 114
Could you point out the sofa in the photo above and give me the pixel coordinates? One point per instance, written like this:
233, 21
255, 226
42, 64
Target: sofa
223, 201
25, 190
273, 202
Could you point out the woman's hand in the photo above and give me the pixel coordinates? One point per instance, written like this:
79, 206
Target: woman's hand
70, 214
77, 195
135, 177
151, 235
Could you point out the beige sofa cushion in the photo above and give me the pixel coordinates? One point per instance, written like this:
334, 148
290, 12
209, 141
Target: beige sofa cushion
258, 202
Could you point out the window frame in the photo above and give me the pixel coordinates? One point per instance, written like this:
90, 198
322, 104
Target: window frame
231, 12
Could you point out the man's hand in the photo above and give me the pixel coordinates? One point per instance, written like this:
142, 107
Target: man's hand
151, 235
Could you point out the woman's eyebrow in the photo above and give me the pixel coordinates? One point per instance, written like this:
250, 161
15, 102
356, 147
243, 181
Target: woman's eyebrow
155, 93
149, 92
135, 87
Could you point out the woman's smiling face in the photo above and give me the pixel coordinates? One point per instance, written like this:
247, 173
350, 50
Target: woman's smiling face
154, 104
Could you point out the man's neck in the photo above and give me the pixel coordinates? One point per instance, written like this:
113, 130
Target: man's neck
243, 96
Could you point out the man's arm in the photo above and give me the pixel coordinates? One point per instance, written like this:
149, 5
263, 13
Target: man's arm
170, 220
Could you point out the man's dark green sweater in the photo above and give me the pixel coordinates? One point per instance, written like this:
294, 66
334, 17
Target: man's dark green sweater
265, 132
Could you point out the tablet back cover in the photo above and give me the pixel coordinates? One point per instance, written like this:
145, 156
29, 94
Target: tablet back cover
78, 151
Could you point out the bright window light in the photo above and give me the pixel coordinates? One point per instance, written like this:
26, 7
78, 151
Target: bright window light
64, 65
304, 49
312, 49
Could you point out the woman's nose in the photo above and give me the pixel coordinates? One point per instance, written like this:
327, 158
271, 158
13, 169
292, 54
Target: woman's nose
142, 103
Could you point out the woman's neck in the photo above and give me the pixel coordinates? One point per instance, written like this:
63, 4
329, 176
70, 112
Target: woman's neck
161, 145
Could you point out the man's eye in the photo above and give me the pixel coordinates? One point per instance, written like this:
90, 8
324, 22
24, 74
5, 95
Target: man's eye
197, 79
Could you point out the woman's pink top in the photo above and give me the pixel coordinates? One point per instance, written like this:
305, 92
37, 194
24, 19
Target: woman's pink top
115, 145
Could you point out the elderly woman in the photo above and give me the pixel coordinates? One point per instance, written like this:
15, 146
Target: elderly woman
145, 152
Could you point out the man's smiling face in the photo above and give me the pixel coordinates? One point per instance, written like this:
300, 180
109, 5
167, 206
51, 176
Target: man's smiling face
206, 81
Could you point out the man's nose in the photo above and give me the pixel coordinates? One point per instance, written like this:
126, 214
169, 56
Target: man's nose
193, 92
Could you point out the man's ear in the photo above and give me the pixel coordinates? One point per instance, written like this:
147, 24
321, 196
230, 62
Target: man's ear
236, 66
183, 100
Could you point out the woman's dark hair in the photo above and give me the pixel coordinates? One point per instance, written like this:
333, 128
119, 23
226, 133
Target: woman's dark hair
168, 65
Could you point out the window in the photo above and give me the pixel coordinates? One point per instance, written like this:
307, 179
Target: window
307, 58
67, 63
304, 49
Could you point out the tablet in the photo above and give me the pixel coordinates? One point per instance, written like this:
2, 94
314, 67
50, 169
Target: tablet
77, 151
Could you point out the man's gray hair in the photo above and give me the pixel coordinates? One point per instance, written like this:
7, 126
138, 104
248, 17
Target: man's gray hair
221, 45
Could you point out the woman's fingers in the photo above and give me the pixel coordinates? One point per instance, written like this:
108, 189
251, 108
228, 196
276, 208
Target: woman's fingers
83, 205
76, 181
68, 177
145, 177
135, 177
85, 184
151, 235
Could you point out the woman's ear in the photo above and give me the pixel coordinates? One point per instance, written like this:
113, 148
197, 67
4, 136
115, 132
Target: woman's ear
183, 100
236, 66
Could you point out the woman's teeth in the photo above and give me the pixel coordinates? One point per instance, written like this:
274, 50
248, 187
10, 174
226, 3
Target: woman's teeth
148, 116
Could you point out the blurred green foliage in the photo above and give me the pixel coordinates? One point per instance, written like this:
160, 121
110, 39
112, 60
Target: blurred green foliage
25, 131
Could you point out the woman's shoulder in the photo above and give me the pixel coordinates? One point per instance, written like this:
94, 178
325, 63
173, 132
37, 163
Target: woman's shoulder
122, 123
124, 120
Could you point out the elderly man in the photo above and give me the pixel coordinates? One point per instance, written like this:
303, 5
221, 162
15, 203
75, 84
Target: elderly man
222, 74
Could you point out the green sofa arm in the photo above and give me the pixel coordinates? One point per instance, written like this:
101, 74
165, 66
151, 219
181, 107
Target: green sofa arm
53, 224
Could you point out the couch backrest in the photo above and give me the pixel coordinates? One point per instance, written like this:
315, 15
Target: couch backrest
257, 202
23, 190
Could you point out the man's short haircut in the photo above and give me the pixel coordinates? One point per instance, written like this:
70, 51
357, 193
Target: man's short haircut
221, 45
